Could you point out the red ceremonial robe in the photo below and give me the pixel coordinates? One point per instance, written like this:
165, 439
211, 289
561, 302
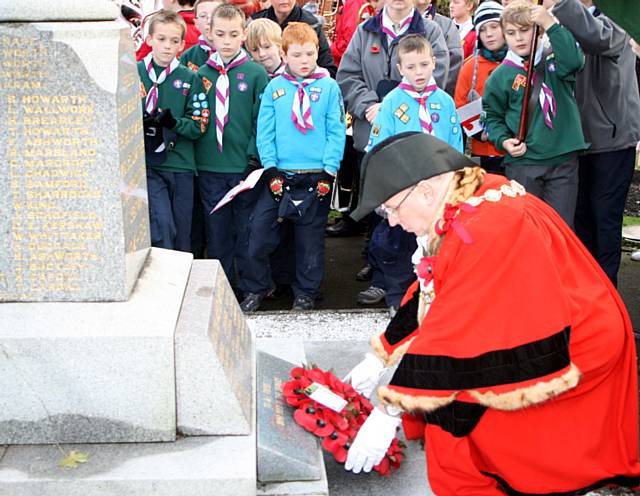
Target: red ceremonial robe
524, 367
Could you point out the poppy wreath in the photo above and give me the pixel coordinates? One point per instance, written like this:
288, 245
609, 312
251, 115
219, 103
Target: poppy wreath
337, 430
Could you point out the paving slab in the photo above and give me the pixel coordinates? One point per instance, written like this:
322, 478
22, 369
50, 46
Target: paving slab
194, 466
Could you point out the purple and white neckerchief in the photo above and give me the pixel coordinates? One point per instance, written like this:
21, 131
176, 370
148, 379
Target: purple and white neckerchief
421, 97
204, 44
388, 26
301, 109
546, 98
151, 102
222, 89
279, 71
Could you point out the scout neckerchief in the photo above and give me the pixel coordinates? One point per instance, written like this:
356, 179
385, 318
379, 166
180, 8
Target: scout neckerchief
279, 71
388, 26
430, 13
204, 44
464, 28
421, 97
222, 89
301, 110
546, 98
151, 102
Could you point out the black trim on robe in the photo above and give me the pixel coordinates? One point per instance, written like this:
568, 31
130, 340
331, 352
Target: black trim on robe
618, 480
405, 321
458, 418
522, 363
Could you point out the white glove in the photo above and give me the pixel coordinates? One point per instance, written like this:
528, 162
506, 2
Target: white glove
372, 442
366, 375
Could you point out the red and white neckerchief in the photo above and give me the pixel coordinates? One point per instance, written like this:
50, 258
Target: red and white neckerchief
421, 97
301, 109
222, 89
388, 26
464, 29
204, 44
279, 71
546, 98
151, 101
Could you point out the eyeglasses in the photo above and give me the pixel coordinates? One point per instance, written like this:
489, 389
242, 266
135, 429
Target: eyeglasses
204, 17
387, 212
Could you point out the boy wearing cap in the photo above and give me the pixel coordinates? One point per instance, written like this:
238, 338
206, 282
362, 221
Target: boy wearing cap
301, 136
170, 93
546, 162
490, 51
515, 388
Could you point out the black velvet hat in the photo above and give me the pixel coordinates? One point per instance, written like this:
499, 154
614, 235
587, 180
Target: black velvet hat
402, 161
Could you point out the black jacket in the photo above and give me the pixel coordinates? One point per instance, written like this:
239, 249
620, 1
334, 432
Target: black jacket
325, 59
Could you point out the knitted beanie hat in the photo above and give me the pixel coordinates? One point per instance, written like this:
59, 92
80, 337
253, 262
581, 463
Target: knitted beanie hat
486, 11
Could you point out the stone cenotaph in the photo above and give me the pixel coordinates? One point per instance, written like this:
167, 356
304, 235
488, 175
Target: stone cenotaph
139, 357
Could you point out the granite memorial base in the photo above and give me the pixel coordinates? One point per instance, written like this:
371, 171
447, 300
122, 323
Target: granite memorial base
215, 357
290, 459
94, 372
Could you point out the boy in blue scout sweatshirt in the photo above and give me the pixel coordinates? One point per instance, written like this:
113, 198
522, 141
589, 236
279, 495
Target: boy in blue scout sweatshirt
234, 85
416, 104
301, 136
170, 93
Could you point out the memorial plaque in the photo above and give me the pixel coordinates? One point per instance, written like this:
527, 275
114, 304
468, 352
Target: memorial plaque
214, 356
74, 223
286, 452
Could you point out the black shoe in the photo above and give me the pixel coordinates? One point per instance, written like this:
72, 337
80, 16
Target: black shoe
365, 273
251, 302
371, 296
343, 228
302, 304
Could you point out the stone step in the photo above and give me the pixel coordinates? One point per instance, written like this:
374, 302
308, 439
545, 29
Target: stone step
194, 466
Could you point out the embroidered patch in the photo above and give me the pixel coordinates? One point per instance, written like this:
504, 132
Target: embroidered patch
177, 84
520, 80
243, 86
454, 130
193, 67
278, 93
404, 118
143, 91
404, 107
240, 76
186, 85
552, 66
398, 113
435, 106
401, 113
185, 92
435, 117
315, 89
314, 97
375, 132
207, 84
453, 119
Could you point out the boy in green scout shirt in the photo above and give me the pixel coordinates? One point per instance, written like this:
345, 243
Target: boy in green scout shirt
171, 96
198, 54
234, 85
546, 163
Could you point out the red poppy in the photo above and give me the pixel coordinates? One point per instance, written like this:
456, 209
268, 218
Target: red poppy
337, 429
375, 48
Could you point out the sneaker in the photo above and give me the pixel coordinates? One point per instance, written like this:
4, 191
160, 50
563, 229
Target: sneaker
251, 302
636, 256
302, 304
371, 296
365, 273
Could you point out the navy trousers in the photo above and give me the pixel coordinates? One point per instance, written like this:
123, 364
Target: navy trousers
604, 180
390, 250
170, 208
308, 234
227, 230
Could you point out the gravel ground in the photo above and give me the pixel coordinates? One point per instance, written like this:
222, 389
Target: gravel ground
633, 198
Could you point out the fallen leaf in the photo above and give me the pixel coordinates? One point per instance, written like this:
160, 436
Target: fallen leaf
73, 459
